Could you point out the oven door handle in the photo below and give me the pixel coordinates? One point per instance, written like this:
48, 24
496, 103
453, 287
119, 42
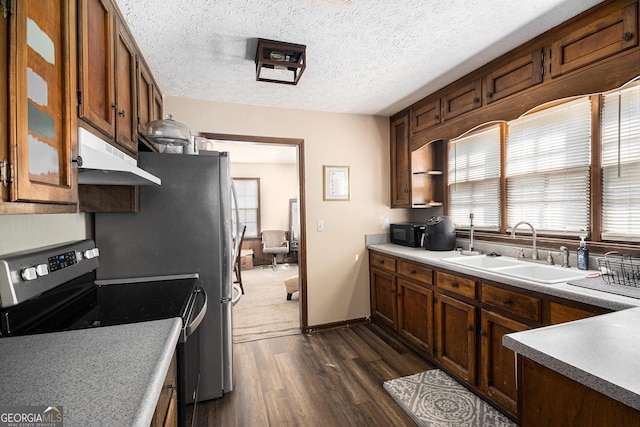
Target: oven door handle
238, 290
191, 327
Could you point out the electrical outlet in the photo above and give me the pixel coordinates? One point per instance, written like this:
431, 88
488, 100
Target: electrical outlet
320, 225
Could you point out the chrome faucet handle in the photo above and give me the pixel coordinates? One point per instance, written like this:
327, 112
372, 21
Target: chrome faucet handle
565, 256
521, 253
550, 258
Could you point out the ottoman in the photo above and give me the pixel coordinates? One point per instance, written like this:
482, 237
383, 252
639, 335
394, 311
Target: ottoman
292, 286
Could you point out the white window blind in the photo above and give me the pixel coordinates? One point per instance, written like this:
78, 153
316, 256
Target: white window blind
474, 179
547, 169
248, 192
621, 165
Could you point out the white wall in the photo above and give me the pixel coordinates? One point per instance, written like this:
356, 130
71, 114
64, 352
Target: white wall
278, 184
337, 271
22, 232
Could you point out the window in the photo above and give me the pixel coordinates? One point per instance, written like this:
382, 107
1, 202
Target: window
474, 179
621, 165
248, 192
548, 157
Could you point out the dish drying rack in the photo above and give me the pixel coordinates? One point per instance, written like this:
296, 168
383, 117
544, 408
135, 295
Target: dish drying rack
620, 269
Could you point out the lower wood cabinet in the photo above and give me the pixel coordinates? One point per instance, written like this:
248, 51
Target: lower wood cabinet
456, 337
166, 413
383, 297
415, 314
498, 363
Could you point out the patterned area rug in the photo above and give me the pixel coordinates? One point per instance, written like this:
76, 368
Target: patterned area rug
434, 399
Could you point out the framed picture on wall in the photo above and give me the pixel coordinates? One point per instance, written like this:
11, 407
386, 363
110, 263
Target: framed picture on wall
336, 182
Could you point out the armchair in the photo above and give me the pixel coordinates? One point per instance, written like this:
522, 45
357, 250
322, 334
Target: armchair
275, 242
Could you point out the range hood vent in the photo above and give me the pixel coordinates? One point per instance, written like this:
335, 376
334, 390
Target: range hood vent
102, 164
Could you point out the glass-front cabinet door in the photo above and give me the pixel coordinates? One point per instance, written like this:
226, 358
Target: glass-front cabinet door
42, 116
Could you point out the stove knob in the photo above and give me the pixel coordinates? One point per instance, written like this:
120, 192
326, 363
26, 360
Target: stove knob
79, 256
89, 253
29, 273
42, 269
96, 252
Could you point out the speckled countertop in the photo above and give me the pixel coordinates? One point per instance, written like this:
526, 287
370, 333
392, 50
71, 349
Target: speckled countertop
601, 352
101, 376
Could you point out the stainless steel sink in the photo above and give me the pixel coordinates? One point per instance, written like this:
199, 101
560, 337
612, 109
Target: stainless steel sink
512, 267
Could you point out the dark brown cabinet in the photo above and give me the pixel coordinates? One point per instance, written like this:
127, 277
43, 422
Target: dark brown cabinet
149, 96
38, 122
425, 114
383, 289
415, 304
456, 337
498, 363
462, 99
400, 166
107, 75
603, 37
515, 76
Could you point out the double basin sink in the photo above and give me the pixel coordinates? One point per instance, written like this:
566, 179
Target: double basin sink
519, 269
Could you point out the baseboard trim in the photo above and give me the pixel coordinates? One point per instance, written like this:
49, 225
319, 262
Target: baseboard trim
335, 325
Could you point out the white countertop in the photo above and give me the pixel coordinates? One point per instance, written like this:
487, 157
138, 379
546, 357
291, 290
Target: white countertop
601, 352
100, 376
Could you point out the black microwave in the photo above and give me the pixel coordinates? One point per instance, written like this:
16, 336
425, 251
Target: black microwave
407, 234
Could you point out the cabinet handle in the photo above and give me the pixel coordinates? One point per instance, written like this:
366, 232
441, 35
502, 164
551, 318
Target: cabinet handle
406, 190
436, 117
382, 262
454, 284
506, 301
122, 113
627, 36
413, 272
469, 328
476, 100
489, 94
483, 333
114, 106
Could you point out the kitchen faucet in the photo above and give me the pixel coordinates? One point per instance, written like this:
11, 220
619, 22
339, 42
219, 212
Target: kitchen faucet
565, 256
534, 253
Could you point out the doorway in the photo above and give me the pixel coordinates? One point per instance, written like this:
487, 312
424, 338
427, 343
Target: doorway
287, 268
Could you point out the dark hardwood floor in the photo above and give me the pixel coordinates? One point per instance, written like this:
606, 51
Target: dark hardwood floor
328, 378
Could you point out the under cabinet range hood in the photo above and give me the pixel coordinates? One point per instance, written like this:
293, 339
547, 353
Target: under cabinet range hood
101, 163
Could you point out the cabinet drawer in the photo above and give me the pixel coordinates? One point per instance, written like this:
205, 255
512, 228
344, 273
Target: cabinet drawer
382, 261
415, 271
459, 285
425, 115
522, 305
463, 100
517, 75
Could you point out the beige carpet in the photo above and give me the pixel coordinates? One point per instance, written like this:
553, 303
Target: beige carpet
263, 311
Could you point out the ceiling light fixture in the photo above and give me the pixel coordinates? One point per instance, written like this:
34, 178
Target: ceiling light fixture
280, 62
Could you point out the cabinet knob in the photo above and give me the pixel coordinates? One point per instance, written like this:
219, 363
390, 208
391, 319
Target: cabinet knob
489, 94
454, 284
406, 190
114, 106
483, 333
506, 301
413, 272
122, 113
627, 36
476, 100
469, 328
437, 117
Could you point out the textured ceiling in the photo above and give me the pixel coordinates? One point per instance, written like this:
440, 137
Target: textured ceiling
363, 56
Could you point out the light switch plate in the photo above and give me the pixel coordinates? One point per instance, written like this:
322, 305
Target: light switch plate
320, 225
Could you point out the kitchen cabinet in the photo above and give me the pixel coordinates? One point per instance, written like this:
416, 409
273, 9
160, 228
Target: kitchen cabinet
456, 337
166, 412
428, 186
561, 313
38, 121
425, 114
400, 166
517, 75
415, 304
149, 102
498, 363
107, 74
570, 404
383, 289
462, 99
606, 35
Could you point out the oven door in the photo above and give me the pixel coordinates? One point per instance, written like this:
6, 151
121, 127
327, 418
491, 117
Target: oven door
189, 359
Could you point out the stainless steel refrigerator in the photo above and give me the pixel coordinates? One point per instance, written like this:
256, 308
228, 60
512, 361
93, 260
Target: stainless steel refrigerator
183, 226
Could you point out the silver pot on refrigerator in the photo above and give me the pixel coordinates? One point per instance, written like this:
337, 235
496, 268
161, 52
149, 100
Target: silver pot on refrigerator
439, 234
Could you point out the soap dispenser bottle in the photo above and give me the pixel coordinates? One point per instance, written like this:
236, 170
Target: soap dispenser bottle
583, 255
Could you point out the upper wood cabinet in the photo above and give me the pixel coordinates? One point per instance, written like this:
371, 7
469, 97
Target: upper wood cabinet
400, 166
107, 76
601, 38
513, 77
149, 96
425, 114
38, 121
465, 98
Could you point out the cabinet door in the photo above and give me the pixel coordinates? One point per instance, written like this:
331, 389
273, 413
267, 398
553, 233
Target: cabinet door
96, 76
157, 113
600, 39
126, 118
456, 337
498, 363
415, 314
425, 115
517, 75
145, 93
462, 100
383, 297
4, 106
42, 85
400, 167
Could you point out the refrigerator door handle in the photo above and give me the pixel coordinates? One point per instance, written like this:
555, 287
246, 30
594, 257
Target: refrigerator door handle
236, 288
236, 249
191, 327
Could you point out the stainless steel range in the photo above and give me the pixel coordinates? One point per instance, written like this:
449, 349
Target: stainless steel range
53, 289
